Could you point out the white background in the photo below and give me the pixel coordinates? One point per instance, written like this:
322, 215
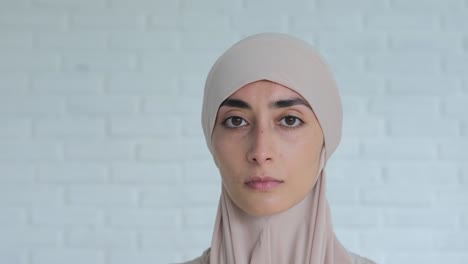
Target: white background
102, 157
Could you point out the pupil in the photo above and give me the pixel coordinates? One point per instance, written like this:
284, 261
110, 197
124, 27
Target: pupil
290, 120
236, 121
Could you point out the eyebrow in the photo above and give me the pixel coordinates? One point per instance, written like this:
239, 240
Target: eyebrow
276, 104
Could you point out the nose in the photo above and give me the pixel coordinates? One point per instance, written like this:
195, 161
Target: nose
261, 146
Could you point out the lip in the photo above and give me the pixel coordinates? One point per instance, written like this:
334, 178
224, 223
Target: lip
263, 183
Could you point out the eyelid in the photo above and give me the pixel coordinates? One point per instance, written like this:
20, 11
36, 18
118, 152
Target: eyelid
225, 120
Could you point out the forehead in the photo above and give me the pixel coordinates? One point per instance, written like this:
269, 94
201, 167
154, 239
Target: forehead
264, 89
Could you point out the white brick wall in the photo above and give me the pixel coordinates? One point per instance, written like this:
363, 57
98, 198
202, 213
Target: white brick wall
102, 156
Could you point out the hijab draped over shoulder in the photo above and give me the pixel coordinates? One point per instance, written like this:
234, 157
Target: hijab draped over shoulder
303, 233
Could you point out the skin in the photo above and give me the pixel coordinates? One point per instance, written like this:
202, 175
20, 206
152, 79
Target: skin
261, 138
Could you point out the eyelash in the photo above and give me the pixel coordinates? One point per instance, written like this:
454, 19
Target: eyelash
224, 123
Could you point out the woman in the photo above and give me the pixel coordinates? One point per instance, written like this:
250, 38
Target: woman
272, 118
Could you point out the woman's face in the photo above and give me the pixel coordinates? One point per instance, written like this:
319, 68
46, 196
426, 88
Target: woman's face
267, 143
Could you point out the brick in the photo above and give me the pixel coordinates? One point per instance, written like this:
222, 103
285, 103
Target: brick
457, 64
211, 6
191, 127
326, 21
250, 22
20, 20
17, 173
203, 195
426, 42
403, 197
72, 173
99, 151
427, 6
102, 195
343, 62
70, 41
166, 197
102, 105
455, 151
29, 237
145, 126
205, 171
189, 21
456, 106
409, 106
423, 128
341, 196
349, 149
451, 197
30, 151
30, 195
354, 217
420, 173
348, 238
27, 106
198, 62
107, 20
399, 149
409, 64
14, 127
357, 173
360, 85
428, 257
208, 41
15, 4
100, 62
353, 105
66, 216
66, 84
188, 238
13, 256
13, 217
11, 84
196, 217
360, 5
455, 21
154, 84
65, 255
145, 218
69, 128
417, 85
276, 6
157, 5
401, 22
191, 85
29, 61
415, 239
150, 41
108, 238
435, 218
171, 104
363, 127
451, 241
172, 149
145, 256
70, 3
15, 41
361, 42
147, 173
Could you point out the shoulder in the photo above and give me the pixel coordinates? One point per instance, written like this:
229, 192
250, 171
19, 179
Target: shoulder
360, 260
203, 259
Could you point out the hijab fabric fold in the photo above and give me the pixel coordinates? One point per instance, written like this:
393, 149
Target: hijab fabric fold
304, 233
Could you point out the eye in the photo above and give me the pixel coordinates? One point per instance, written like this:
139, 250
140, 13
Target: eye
291, 121
234, 122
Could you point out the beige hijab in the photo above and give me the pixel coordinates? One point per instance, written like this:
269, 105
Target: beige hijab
303, 233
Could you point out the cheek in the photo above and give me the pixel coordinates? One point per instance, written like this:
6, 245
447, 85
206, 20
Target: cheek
227, 154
